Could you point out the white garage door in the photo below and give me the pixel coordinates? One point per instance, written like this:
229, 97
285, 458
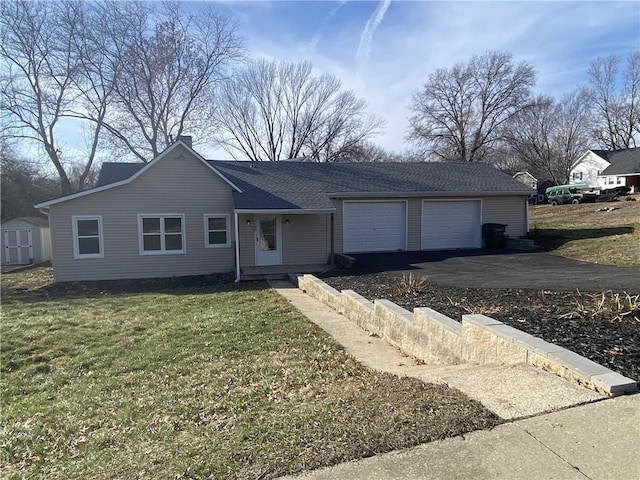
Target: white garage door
451, 224
374, 226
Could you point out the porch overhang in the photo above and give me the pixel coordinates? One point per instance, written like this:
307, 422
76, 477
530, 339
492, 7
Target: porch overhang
291, 211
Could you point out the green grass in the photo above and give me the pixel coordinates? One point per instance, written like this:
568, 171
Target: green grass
602, 245
204, 381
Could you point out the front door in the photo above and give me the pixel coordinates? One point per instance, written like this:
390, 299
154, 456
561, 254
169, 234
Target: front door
268, 240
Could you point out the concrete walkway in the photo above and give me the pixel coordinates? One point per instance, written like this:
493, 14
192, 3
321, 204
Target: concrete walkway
599, 440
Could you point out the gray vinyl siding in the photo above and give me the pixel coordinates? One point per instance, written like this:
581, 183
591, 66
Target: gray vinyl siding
304, 239
247, 240
176, 184
510, 211
414, 224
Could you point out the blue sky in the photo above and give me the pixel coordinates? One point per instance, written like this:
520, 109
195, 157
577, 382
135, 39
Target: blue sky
385, 50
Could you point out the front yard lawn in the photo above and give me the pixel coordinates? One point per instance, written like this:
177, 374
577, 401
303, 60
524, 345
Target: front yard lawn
169, 380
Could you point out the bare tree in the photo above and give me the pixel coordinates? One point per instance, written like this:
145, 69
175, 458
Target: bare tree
615, 97
37, 82
22, 184
551, 135
167, 64
458, 112
275, 110
368, 152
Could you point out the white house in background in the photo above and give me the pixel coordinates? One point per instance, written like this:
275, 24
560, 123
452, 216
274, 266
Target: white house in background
588, 168
528, 179
26, 240
604, 169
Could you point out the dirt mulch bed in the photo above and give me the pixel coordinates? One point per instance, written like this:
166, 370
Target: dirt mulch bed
552, 316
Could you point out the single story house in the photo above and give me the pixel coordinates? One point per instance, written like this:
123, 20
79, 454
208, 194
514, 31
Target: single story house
603, 169
26, 240
183, 215
537, 179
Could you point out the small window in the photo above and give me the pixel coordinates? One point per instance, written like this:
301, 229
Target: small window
87, 237
161, 234
216, 231
619, 181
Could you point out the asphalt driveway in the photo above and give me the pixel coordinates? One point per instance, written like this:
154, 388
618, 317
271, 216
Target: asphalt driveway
504, 269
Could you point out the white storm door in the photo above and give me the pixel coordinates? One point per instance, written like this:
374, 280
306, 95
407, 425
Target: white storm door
18, 249
268, 240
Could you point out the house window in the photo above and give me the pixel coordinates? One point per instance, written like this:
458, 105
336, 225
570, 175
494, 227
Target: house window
87, 237
161, 234
216, 231
576, 176
619, 180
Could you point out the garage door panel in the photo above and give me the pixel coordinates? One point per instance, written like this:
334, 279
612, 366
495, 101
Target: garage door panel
451, 224
374, 226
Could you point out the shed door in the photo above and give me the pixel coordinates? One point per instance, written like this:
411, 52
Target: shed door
451, 224
18, 248
375, 226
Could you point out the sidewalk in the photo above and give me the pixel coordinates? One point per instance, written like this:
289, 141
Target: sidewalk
596, 441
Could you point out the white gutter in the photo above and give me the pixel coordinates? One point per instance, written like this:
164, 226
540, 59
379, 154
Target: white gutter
427, 194
290, 211
237, 235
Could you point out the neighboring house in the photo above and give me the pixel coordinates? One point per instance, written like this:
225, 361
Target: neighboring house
528, 179
538, 180
604, 169
26, 240
183, 215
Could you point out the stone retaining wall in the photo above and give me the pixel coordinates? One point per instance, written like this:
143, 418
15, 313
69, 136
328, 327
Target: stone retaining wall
440, 340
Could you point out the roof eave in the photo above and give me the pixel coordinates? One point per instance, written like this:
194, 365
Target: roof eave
429, 194
290, 211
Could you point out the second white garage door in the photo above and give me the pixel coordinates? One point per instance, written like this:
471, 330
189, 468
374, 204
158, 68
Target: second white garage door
451, 224
374, 226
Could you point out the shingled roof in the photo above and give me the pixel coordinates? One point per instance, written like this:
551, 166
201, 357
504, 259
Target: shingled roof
623, 162
310, 186
307, 185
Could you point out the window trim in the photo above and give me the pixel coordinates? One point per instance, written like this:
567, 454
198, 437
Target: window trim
162, 250
227, 219
76, 244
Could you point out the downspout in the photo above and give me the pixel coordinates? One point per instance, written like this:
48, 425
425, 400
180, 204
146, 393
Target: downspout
237, 235
333, 244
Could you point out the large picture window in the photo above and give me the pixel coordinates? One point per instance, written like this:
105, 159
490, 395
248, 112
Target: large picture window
161, 234
87, 237
216, 231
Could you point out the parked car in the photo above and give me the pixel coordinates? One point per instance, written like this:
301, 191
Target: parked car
575, 194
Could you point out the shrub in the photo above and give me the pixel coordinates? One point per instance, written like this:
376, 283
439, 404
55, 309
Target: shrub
411, 284
605, 306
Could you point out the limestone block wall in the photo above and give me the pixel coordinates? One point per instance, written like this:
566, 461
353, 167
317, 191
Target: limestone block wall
439, 340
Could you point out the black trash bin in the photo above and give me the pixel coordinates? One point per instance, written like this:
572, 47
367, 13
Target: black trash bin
493, 235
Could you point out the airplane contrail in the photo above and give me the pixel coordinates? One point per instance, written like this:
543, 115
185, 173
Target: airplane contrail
362, 55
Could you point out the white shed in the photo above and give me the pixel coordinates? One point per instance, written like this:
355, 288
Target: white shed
26, 240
